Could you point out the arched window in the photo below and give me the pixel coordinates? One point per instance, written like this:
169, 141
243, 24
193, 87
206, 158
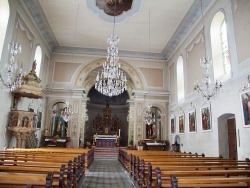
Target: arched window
220, 51
180, 79
38, 58
4, 15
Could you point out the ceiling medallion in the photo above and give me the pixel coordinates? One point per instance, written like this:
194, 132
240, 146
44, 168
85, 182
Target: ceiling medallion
108, 6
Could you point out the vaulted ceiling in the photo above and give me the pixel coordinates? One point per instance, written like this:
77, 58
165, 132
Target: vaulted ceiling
152, 28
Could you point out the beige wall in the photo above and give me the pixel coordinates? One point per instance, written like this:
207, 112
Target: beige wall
153, 77
64, 71
242, 29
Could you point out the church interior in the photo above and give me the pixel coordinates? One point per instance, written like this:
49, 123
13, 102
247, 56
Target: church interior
138, 74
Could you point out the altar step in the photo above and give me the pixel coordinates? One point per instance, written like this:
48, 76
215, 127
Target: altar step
106, 152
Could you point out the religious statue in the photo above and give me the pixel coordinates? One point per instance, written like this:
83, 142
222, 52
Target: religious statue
59, 127
33, 70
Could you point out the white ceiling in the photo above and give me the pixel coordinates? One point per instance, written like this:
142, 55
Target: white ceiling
70, 25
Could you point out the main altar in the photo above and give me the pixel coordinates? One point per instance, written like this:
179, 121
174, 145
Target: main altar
106, 129
106, 140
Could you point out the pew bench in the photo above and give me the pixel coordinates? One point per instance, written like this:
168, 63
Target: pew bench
163, 178
17, 180
69, 176
208, 182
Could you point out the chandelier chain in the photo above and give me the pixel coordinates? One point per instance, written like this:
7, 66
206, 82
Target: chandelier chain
112, 81
209, 89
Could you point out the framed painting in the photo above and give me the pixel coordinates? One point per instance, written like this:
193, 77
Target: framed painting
206, 118
192, 120
245, 105
172, 123
181, 123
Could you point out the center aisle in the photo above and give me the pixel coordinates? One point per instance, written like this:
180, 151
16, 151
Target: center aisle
106, 172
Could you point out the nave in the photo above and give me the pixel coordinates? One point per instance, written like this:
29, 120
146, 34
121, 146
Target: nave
118, 167
106, 172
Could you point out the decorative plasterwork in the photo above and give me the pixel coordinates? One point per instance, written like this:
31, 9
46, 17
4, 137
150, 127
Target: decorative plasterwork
103, 52
200, 38
42, 23
21, 25
84, 76
114, 7
185, 26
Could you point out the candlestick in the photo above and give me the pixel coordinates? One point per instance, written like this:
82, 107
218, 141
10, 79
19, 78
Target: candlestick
119, 132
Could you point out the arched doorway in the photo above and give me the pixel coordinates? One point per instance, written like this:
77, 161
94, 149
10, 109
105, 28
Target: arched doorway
227, 136
117, 118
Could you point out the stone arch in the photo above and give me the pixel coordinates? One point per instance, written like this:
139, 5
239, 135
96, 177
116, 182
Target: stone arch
163, 126
85, 78
49, 121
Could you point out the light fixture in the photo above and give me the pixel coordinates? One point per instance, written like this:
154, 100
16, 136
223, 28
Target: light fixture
66, 112
209, 89
11, 77
149, 117
112, 81
246, 87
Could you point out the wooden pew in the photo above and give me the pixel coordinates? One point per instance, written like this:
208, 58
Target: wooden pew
235, 182
20, 159
89, 157
21, 180
189, 163
148, 177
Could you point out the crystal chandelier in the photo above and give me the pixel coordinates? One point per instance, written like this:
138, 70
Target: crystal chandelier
209, 89
112, 81
11, 77
66, 112
149, 117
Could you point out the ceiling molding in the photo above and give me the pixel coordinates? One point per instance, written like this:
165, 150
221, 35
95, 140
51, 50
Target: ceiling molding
184, 28
41, 21
179, 35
